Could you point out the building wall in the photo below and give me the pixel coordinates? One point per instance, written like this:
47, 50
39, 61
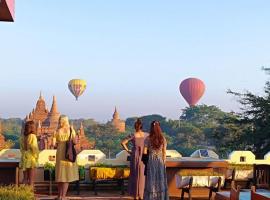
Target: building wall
247, 157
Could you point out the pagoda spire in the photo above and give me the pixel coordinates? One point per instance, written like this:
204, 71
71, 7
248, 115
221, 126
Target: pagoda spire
115, 114
81, 125
82, 130
40, 96
54, 105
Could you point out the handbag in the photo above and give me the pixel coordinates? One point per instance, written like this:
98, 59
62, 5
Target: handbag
145, 158
70, 153
128, 158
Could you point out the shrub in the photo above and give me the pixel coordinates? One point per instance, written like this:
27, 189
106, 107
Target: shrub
49, 166
16, 193
81, 172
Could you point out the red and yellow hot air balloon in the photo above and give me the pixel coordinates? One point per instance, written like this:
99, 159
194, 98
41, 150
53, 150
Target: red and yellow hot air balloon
192, 89
77, 87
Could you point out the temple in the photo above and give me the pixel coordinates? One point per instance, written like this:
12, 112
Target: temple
47, 123
83, 140
119, 124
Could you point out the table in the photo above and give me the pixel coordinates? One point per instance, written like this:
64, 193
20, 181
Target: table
244, 194
107, 174
173, 167
9, 171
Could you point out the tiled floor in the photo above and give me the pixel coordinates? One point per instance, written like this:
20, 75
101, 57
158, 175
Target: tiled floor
88, 195
104, 198
104, 195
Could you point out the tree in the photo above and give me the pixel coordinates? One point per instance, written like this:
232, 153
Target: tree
146, 120
106, 137
202, 115
229, 135
255, 115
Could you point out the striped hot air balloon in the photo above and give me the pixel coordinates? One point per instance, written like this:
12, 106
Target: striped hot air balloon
192, 89
77, 87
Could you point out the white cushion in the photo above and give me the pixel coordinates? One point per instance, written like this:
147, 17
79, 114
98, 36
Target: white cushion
182, 181
214, 181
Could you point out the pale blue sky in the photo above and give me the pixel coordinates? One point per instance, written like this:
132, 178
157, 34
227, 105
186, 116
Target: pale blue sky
133, 54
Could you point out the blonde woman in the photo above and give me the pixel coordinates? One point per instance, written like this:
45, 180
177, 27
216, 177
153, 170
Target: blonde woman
29, 150
65, 171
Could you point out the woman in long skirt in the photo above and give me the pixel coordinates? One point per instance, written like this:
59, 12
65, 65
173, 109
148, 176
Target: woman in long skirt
136, 178
156, 187
65, 171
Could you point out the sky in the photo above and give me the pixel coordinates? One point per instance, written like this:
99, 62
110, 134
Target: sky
133, 54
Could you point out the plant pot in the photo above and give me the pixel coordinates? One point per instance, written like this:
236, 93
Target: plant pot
47, 174
82, 174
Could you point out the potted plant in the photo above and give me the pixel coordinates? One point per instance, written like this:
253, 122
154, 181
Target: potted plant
81, 173
49, 171
13, 192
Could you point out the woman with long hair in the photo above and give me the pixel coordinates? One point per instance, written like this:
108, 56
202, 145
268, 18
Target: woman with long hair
65, 171
136, 178
30, 152
156, 187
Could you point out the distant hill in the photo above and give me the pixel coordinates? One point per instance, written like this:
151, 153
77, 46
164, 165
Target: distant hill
146, 120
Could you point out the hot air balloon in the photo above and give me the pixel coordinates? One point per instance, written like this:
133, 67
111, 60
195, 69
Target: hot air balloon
77, 87
7, 10
192, 89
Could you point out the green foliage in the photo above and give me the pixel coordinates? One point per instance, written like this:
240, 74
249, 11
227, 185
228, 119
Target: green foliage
49, 166
11, 126
16, 193
146, 120
255, 116
202, 115
11, 129
106, 137
229, 135
81, 172
199, 127
86, 123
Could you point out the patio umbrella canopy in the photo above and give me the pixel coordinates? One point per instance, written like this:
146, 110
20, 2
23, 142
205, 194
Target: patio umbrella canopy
7, 8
